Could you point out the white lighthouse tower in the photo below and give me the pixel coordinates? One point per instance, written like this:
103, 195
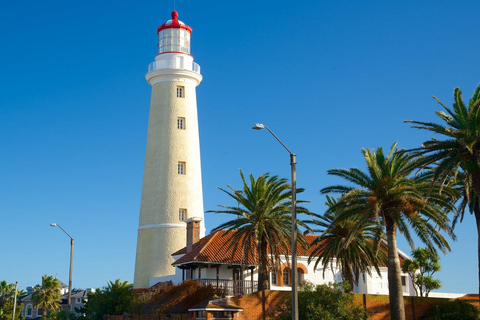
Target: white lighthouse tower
172, 180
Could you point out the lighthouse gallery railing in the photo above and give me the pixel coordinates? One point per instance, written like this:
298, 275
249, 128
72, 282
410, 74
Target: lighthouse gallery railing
163, 64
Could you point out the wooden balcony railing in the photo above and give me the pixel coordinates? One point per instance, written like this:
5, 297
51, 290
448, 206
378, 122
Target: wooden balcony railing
231, 287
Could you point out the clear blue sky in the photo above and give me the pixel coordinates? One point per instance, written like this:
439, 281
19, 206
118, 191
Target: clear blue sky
329, 77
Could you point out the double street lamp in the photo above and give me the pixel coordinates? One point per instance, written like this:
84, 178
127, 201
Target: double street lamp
70, 273
293, 161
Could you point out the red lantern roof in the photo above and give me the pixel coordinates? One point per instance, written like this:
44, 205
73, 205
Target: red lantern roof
174, 23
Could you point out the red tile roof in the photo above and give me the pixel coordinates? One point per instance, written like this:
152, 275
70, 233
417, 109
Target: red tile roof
214, 248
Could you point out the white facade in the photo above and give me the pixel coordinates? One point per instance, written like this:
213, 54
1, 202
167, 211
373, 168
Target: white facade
378, 284
369, 284
172, 181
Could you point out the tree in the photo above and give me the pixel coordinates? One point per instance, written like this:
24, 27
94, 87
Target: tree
457, 156
388, 194
355, 250
324, 302
47, 295
421, 268
115, 299
263, 221
7, 300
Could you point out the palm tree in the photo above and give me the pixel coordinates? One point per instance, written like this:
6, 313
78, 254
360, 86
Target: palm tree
47, 295
457, 157
7, 301
387, 194
263, 221
355, 250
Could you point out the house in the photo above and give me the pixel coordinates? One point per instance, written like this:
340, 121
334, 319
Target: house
212, 261
79, 298
32, 312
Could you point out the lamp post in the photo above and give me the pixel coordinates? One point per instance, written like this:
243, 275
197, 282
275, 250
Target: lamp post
293, 161
70, 273
15, 300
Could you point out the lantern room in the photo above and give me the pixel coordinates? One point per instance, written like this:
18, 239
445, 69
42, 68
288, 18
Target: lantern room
174, 36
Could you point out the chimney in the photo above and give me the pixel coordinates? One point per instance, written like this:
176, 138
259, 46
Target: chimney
193, 231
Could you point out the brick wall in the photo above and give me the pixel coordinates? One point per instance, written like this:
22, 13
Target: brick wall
150, 317
376, 305
254, 304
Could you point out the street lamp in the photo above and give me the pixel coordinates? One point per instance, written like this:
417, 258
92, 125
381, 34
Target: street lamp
70, 273
15, 300
293, 158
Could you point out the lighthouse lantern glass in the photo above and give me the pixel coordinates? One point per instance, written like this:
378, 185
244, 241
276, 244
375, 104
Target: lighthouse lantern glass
174, 40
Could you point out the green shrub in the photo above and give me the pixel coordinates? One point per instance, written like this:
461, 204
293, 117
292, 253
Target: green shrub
452, 310
324, 302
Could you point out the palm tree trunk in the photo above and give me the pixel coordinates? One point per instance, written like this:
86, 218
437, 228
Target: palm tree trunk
476, 210
397, 307
349, 277
263, 277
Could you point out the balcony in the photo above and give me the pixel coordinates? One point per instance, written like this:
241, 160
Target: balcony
173, 64
231, 287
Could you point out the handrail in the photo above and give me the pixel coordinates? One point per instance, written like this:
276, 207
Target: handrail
231, 287
166, 64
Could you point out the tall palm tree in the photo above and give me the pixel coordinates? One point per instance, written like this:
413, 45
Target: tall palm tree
388, 194
47, 295
354, 250
262, 220
457, 156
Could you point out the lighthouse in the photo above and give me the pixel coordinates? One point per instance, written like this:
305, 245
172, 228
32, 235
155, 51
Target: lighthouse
172, 179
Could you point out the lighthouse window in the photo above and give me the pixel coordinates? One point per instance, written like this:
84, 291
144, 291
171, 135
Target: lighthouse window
182, 214
181, 168
180, 92
181, 123
174, 40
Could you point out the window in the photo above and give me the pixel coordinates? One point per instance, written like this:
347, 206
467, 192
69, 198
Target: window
39, 312
181, 123
182, 214
174, 40
201, 314
222, 314
180, 92
300, 275
404, 283
181, 168
286, 277
79, 300
274, 278
29, 310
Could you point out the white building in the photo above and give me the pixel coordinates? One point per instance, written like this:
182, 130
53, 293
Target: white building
212, 261
172, 181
